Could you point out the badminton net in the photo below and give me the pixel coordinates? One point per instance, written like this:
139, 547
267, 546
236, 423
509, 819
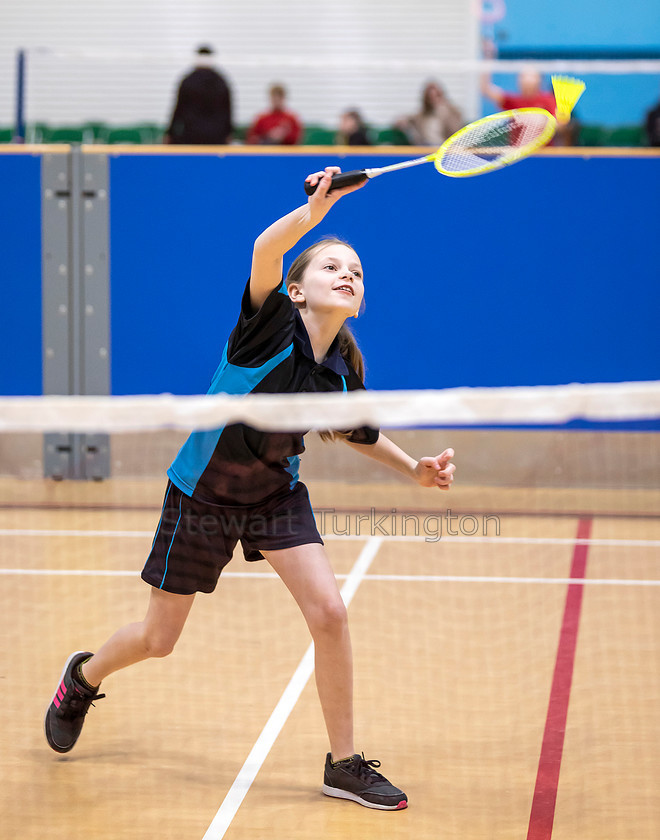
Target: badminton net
476, 614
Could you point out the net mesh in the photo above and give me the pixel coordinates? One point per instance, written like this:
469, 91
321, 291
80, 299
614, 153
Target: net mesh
496, 142
505, 633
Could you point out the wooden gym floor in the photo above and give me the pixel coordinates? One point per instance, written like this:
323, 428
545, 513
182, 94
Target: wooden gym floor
509, 682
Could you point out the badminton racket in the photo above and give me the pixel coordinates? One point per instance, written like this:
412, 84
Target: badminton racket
487, 144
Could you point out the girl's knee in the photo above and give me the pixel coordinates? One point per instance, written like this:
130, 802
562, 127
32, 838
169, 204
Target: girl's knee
164, 622
158, 644
330, 616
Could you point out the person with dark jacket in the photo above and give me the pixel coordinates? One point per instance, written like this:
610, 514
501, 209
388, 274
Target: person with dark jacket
202, 114
352, 130
653, 126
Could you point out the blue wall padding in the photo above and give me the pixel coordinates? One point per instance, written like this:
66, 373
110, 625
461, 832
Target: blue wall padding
563, 23
20, 274
543, 273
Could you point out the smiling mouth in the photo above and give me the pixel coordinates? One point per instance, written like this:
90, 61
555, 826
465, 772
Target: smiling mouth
348, 289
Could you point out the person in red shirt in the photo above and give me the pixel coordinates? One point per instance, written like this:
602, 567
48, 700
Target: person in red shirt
530, 94
277, 126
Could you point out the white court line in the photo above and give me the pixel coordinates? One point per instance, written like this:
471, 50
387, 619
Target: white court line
47, 532
61, 532
285, 706
367, 577
494, 579
126, 573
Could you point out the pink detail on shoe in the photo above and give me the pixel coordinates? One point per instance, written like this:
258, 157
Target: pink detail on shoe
402, 804
61, 691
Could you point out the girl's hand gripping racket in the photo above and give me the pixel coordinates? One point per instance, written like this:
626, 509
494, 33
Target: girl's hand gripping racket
487, 144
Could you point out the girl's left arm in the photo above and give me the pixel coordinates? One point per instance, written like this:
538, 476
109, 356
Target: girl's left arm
436, 471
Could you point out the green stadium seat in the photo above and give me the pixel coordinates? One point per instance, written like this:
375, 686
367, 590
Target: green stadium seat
626, 135
392, 137
6, 135
94, 131
151, 133
34, 132
132, 136
319, 136
592, 135
64, 134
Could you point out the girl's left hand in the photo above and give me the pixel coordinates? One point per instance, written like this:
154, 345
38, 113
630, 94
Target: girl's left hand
436, 472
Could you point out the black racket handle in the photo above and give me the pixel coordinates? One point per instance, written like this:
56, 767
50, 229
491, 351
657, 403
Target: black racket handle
343, 179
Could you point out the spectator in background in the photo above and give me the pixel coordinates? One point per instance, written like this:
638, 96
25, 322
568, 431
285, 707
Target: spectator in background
352, 130
202, 114
530, 94
653, 126
437, 120
568, 134
278, 126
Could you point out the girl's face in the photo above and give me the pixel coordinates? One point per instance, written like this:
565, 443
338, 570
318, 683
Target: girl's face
332, 281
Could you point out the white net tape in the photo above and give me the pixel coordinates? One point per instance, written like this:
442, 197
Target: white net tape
285, 412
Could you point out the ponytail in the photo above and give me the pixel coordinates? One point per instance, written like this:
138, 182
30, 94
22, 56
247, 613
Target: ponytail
352, 354
350, 351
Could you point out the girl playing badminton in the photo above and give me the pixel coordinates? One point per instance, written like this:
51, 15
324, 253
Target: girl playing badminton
237, 483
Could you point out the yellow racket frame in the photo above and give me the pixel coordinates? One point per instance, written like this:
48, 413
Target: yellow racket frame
523, 151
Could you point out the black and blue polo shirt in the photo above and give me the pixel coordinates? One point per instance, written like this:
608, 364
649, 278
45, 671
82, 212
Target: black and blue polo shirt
268, 351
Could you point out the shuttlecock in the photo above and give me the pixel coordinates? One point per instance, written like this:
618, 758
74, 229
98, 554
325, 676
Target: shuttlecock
567, 92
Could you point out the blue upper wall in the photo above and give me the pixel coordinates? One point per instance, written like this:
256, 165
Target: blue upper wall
543, 273
20, 274
582, 24
583, 29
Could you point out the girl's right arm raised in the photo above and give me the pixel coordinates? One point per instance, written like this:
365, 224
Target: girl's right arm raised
283, 234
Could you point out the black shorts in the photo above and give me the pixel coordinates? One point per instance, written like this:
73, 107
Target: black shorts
195, 540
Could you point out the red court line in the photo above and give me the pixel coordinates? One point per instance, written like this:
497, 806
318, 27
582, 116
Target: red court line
547, 780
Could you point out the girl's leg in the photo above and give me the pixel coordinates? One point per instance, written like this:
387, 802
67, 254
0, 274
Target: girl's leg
307, 573
156, 635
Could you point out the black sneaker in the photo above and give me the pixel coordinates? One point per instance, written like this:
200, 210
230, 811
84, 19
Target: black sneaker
66, 713
356, 779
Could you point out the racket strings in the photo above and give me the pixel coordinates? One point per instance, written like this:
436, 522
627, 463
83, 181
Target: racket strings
495, 143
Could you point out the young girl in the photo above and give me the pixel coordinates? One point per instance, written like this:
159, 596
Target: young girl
236, 483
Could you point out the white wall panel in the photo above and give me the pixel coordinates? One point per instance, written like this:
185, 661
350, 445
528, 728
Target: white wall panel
120, 60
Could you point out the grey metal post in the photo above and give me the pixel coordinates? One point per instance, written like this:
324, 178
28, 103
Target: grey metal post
75, 300
56, 295
76, 236
94, 296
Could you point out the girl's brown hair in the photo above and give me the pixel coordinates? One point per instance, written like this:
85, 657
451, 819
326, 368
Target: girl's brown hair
347, 344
